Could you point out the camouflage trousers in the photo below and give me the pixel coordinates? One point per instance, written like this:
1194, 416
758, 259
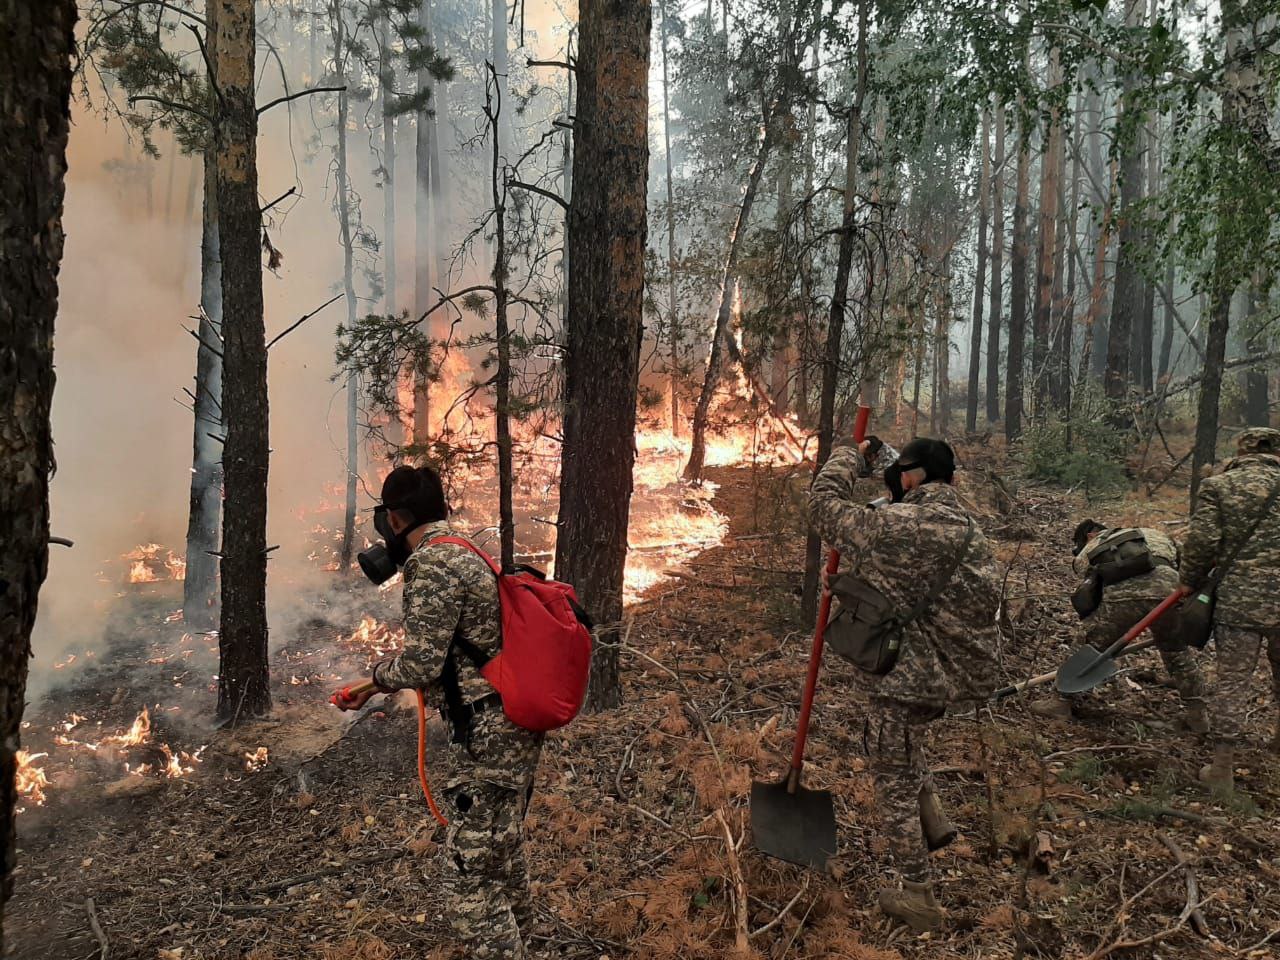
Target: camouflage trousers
893, 738
485, 880
1237, 651
1113, 618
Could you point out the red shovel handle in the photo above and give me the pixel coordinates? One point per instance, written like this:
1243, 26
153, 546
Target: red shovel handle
815, 655
344, 696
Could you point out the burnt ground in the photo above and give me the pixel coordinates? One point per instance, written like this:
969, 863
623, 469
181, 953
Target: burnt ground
1068, 831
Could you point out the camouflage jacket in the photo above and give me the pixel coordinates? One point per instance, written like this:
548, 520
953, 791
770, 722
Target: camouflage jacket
948, 653
1229, 503
1156, 585
449, 590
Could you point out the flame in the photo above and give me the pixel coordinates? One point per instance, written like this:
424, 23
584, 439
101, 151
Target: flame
139, 733
255, 761
376, 638
30, 780
146, 565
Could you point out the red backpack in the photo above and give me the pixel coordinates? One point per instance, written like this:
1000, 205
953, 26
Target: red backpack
545, 661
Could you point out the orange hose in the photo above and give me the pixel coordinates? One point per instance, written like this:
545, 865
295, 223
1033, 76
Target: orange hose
422, 760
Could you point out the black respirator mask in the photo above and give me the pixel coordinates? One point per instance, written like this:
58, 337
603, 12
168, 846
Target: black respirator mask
893, 479
381, 561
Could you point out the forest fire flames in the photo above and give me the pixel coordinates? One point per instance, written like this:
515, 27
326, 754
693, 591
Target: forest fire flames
374, 638
31, 780
146, 565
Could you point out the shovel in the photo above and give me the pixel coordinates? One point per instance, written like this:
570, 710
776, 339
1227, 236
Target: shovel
1087, 667
788, 821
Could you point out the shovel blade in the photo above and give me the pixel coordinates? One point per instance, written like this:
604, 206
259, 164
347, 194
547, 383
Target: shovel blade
1084, 670
796, 827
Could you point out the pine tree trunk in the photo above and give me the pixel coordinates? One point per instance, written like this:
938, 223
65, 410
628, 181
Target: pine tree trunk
498, 16
502, 337
839, 302
606, 242
1223, 283
673, 317
1126, 311
386, 70
36, 46
341, 55
243, 683
1049, 170
424, 253
980, 278
200, 588
1097, 288
1017, 293
724, 314
1066, 341
997, 274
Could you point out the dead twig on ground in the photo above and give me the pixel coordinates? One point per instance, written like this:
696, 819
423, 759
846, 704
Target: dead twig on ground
783, 912
1110, 946
277, 885
104, 947
1196, 915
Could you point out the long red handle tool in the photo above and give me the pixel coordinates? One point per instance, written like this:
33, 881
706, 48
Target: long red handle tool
819, 633
1088, 667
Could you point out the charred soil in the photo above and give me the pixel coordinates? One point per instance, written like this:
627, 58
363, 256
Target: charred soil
321, 845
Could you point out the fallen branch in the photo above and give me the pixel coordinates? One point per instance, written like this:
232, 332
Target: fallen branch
742, 938
1122, 915
1195, 915
783, 912
104, 947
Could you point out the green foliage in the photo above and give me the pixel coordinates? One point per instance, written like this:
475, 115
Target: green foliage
1088, 768
1082, 449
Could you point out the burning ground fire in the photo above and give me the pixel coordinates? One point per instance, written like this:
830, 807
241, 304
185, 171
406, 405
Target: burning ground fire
112, 748
146, 565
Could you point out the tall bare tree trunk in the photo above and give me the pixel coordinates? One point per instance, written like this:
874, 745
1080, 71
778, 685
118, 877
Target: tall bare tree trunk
980, 277
36, 45
724, 314
340, 57
386, 84
608, 222
1049, 185
997, 274
243, 683
1126, 311
200, 588
424, 241
1018, 290
673, 316
502, 332
839, 300
498, 17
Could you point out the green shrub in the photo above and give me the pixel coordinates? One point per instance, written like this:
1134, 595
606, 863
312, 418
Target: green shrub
1084, 449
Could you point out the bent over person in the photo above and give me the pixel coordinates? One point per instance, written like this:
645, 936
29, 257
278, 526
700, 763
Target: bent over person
926, 556
1235, 531
1127, 571
452, 619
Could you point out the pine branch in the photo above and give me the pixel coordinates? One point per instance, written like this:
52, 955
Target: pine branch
295, 96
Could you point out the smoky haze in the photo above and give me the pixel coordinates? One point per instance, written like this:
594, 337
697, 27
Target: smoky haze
130, 283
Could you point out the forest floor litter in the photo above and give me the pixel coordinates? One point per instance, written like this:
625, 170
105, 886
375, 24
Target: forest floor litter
306, 835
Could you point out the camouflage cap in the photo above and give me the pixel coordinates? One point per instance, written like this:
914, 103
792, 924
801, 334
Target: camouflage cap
1258, 440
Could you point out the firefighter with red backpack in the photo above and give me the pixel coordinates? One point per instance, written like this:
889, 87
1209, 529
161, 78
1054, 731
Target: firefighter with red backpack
458, 611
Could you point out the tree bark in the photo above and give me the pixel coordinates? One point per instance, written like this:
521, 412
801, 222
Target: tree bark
243, 683
1126, 310
980, 277
200, 588
502, 336
839, 301
673, 317
607, 227
498, 16
997, 274
724, 314
386, 71
1223, 282
424, 252
1018, 289
340, 57
36, 45
1045, 273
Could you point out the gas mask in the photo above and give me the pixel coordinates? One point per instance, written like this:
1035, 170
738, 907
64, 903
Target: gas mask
381, 561
893, 479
